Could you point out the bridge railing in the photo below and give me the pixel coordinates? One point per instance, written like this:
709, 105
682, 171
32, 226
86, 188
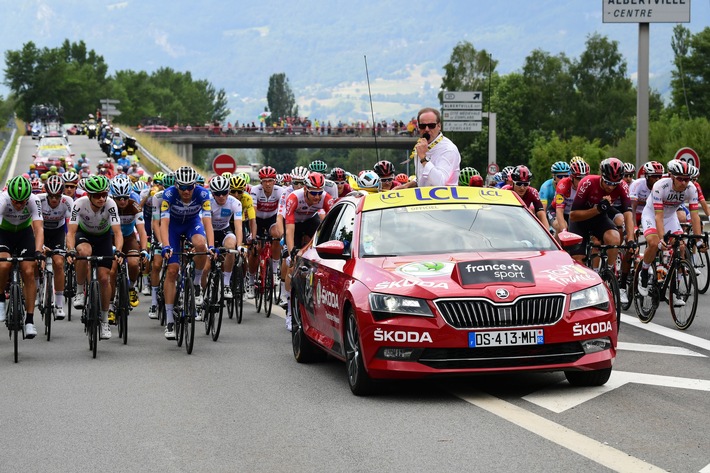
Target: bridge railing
332, 131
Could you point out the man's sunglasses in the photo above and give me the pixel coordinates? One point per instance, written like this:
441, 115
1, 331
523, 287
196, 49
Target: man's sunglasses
220, 193
629, 175
121, 197
298, 183
424, 126
340, 183
54, 196
187, 187
69, 186
23, 202
682, 179
390, 179
561, 176
316, 193
610, 183
99, 195
522, 183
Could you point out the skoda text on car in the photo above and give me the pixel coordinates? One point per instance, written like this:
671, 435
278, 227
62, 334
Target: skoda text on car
447, 281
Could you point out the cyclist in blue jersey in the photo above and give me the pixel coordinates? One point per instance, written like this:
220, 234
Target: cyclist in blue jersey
185, 210
559, 171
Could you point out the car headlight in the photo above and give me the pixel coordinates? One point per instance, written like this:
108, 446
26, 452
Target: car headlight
595, 296
384, 306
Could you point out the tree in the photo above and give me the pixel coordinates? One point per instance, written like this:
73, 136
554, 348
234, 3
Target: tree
691, 79
280, 98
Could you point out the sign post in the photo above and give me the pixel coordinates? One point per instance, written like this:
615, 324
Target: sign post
224, 163
108, 108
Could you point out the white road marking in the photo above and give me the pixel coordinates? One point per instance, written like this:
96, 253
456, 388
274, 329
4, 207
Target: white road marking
667, 332
668, 350
587, 447
560, 397
705, 470
13, 163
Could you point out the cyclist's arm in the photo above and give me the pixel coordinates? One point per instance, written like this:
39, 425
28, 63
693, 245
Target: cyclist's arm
209, 231
142, 236
542, 216
118, 237
38, 228
290, 232
238, 231
629, 221
70, 241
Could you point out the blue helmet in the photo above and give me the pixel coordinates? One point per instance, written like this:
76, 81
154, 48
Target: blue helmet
560, 167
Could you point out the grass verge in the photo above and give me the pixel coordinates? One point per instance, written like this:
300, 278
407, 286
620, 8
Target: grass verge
11, 152
162, 150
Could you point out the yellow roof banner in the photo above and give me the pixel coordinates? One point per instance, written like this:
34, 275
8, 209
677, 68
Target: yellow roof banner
439, 196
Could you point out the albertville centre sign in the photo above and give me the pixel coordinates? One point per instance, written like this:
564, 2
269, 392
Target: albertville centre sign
646, 11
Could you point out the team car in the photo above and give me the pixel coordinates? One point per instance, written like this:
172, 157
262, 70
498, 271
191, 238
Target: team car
54, 155
447, 281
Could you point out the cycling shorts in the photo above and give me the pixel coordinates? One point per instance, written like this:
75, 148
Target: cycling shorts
304, 231
101, 245
55, 238
189, 229
21, 243
263, 225
595, 226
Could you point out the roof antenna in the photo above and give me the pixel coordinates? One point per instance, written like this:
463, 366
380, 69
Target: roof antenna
374, 126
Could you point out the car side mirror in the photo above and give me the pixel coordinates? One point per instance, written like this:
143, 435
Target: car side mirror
333, 249
568, 239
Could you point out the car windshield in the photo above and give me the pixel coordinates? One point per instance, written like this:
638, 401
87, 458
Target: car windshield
419, 230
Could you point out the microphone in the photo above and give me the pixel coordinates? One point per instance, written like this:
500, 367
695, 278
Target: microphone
426, 135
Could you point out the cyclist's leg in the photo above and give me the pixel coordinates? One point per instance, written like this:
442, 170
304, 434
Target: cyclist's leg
230, 242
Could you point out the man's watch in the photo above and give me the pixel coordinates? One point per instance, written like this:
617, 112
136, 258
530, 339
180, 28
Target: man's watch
424, 160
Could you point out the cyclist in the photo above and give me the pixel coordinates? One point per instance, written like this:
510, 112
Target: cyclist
298, 181
321, 167
157, 245
185, 210
466, 174
21, 234
266, 200
629, 173
302, 219
131, 216
402, 178
340, 177
95, 229
146, 203
592, 212
659, 216
565, 193
640, 189
385, 171
521, 177
559, 170
56, 210
71, 181
225, 208
369, 182
694, 174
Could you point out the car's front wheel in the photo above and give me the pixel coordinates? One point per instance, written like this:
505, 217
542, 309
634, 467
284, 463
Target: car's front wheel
360, 382
588, 378
303, 349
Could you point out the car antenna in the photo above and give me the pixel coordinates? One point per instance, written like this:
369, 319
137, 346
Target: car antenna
372, 111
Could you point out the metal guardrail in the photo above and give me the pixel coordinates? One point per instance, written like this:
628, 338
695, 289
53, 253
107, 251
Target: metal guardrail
6, 148
146, 154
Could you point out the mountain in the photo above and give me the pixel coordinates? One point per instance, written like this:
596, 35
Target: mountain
321, 46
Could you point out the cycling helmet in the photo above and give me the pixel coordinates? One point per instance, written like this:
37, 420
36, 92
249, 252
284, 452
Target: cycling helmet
33, 167
96, 184
267, 172
237, 183
579, 169
83, 155
227, 175
279, 179
199, 180
521, 174
245, 176
465, 175
169, 180
19, 188
121, 187
338, 174
315, 180
36, 185
383, 168
498, 177
101, 162
576, 159
653, 168
70, 176
139, 186
694, 172
299, 173
318, 166
476, 181
54, 185
368, 180
401, 178
53, 169
219, 184
629, 168
287, 179
158, 177
185, 176
678, 168
560, 167
507, 170
612, 170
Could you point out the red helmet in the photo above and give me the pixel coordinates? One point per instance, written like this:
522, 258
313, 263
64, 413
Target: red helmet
383, 168
315, 180
267, 172
402, 178
476, 181
338, 174
653, 168
287, 178
612, 170
521, 174
679, 168
579, 169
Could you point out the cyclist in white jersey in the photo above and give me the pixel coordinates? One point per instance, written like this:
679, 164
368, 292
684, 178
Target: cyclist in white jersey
299, 175
224, 208
640, 189
56, 210
659, 216
157, 245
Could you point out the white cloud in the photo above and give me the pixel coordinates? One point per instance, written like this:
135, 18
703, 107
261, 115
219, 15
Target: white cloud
161, 39
117, 6
45, 16
263, 31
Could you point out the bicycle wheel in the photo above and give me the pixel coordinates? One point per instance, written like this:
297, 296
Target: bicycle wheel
69, 289
15, 316
94, 302
122, 308
237, 292
268, 288
189, 316
179, 321
277, 284
684, 294
217, 307
258, 288
646, 306
48, 296
206, 308
701, 264
610, 280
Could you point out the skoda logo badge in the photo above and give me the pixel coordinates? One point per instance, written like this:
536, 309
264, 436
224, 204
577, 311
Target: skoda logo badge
502, 293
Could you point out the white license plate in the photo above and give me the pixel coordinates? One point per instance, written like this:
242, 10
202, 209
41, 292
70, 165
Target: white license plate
504, 338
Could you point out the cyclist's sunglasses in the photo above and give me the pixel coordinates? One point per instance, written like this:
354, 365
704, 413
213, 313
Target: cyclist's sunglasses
220, 193
610, 183
340, 183
522, 183
389, 179
298, 183
682, 179
54, 196
561, 176
316, 193
69, 186
188, 187
23, 202
99, 195
629, 175
121, 197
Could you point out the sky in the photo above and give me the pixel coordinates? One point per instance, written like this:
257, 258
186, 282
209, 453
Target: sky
321, 46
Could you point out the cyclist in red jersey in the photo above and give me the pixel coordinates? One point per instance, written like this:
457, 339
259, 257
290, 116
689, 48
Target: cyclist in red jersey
521, 176
385, 171
564, 195
340, 178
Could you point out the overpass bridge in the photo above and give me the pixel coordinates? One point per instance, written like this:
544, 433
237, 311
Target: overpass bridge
186, 142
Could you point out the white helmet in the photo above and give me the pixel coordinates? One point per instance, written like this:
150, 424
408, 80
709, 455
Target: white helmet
185, 176
368, 180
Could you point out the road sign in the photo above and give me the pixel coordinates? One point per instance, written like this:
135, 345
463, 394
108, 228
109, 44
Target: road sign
471, 115
463, 96
625, 11
689, 156
462, 106
463, 126
224, 163
492, 169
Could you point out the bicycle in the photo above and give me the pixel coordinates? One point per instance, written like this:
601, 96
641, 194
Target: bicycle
236, 303
46, 293
264, 281
69, 286
162, 316
91, 313
185, 309
700, 261
213, 304
676, 275
15, 305
121, 304
606, 274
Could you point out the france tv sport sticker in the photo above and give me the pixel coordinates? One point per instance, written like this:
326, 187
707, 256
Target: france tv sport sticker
427, 269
